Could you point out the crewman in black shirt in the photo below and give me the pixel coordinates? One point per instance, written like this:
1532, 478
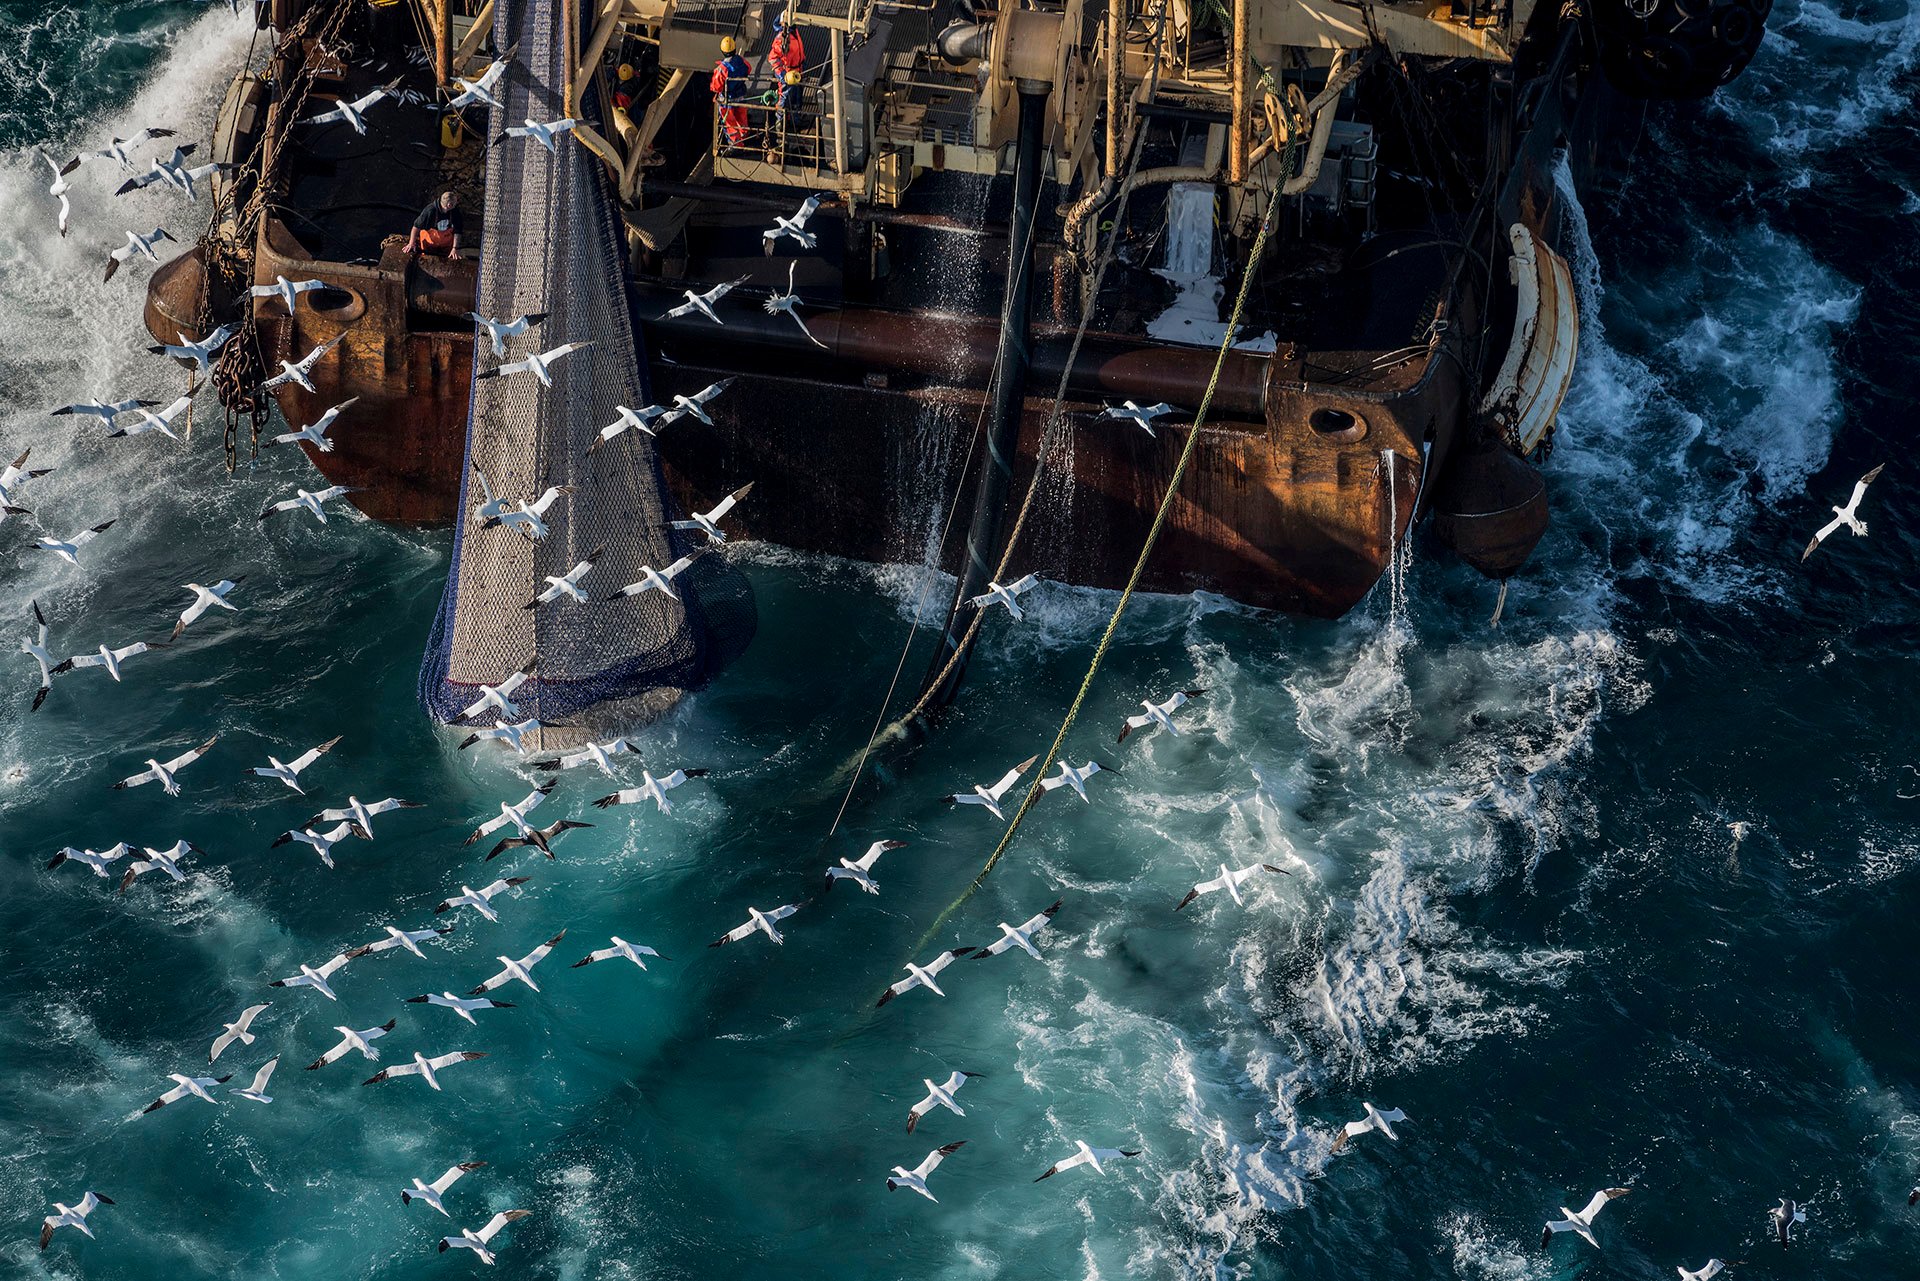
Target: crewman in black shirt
437, 229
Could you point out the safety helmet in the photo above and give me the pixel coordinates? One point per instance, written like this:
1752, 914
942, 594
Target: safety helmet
626, 71
726, 44
793, 77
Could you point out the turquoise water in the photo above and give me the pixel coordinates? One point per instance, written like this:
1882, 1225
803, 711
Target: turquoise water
1613, 894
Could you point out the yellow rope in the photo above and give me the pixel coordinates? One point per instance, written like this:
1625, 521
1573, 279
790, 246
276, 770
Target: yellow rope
1140, 564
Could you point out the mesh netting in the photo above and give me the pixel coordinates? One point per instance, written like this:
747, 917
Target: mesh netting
553, 244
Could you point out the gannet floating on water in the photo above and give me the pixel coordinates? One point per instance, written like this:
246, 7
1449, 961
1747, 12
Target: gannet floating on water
660, 580
462, 1005
1076, 778
1141, 416
635, 952
105, 410
480, 900
481, 89
1230, 880
150, 421
789, 302
59, 191
694, 405
1581, 1224
512, 733
916, 1179
939, 1096
409, 940
316, 977
287, 291
539, 363
542, 132
758, 921
529, 519
297, 371
136, 244
1848, 516
98, 860
353, 114
923, 975
322, 842
167, 860
1375, 1119
424, 1067
185, 1085
498, 331
289, 772
599, 754
990, 797
166, 773
703, 303
199, 354
431, 1193
311, 501
478, 1241
118, 149
256, 1090
1160, 714
238, 1030
1007, 595
69, 549
315, 432
1021, 936
520, 970
351, 1040
1783, 1217
205, 598
856, 870
71, 1216
567, 584
650, 789
1095, 1157
107, 658
794, 227
708, 522
500, 697
361, 816
35, 647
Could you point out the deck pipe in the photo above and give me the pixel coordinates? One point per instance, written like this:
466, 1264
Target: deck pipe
1005, 396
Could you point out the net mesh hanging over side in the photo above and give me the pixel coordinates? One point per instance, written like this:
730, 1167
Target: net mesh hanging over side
553, 245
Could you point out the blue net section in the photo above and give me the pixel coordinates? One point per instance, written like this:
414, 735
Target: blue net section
554, 245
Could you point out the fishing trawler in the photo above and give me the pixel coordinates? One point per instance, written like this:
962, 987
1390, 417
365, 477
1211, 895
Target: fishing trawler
1025, 215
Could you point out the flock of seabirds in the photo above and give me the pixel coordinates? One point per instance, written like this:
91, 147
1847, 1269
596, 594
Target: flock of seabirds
354, 819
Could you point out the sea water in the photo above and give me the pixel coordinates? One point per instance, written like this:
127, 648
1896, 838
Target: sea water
1614, 894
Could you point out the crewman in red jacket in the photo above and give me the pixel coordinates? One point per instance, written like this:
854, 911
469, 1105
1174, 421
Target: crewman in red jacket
729, 86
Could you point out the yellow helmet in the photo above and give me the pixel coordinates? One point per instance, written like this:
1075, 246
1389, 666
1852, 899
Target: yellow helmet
726, 44
793, 77
626, 71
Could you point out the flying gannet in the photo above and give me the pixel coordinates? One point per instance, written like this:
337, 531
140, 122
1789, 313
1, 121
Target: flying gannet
990, 797
939, 1096
858, 870
1375, 1119
238, 1030
1095, 1157
1581, 1224
916, 1178
1160, 714
350, 1041
923, 975
1230, 880
1020, 937
650, 789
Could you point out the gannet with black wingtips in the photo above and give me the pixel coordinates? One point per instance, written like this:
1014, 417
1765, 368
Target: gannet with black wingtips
923, 975
916, 1179
650, 789
199, 354
794, 227
405, 940
35, 647
350, 1041
1846, 517
322, 843
859, 870
567, 584
513, 733
288, 772
1581, 1224
105, 410
478, 1242
166, 773
529, 519
708, 522
256, 1090
493, 505
542, 132
316, 977
498, 331
107, 658
520, 970
480, 900
430, 1193
12, 478
167, 860
1008, 595
703, 303
287, 291
516, 814
1160, 714
361, 815
660, 580
481, 89
136, 244
59, 191
297, 371
68, 549
197, 1086
315, 432
1020, 936
238, 1030
205, 598
353, 113
693, 406
989, 798
758, 922
310, 501
1783, 1217
789, 304
500, 697
635, 952
539, 363
1089, 1156
155, 421
596, 754
940, 1096
1141, 416
426, 1068
99, 860
627, 419
1076, 778
1375, 1119
119, 149
540, 838
464, 1006
1230, 880
71, 1216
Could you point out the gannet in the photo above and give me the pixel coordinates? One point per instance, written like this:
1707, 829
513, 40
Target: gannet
939, 1096
567, 584
1705, 1272
1581, 1224
406, 940
512, 733
498, 331
660, 580
69, 549
916, 1178
315, 432
71, 1216
1095, 1157
431, 1192
529, 520
521, 970
151, 421
1075, 778
307, 500
789, 303
35, 647
1782, 1216
1229, 880
708, 522
15, 475
118, 149
541, 838
923, 975
59, 191
703, 303
857, 870
424, 1067
163, 772
461, 1005
1140, 415
167, 860
136, 244
322, 842
107, 658
599, 754
256, 1090
758, 921
289, 772
627, 419
1848, 516
98, 860
185, 1085
515, 813
539, 364
1008, 595
205, 598
794, 227
105, 410
199, 354
541, 132
481, 89
480, 900
499, 697
316, 977
173, 172
696, 405
361, 816
353, 113
635, 952
493, 506
287, 291
1021, 937
297, 371
351, 1040
1375, 1119
238, 1030
650, 789
990, 797
477, 1241
1160, 714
